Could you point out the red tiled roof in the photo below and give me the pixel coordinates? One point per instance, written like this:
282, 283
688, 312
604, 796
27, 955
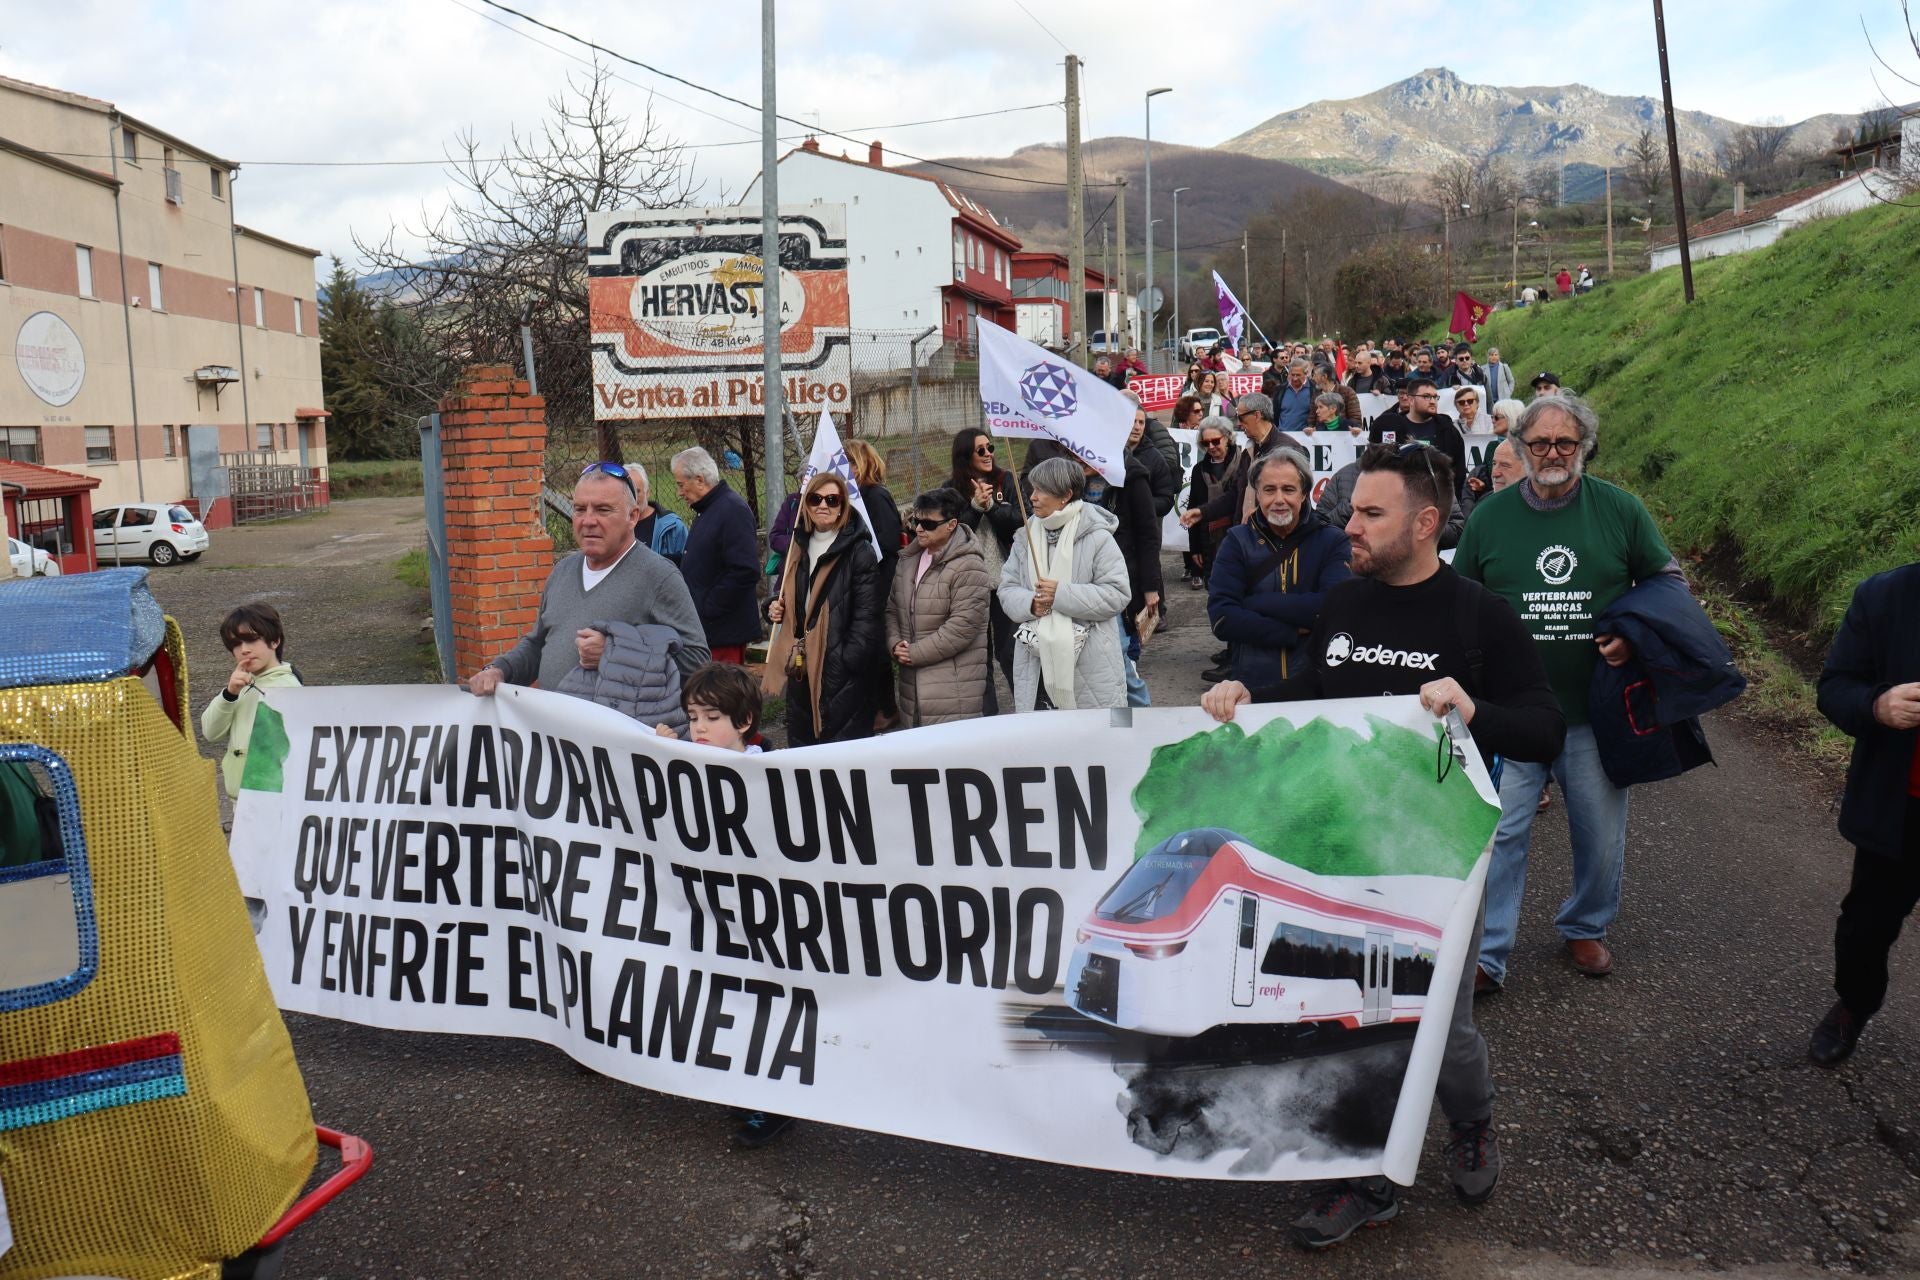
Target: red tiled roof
40, 480
1759, 211
312, 413
969, 211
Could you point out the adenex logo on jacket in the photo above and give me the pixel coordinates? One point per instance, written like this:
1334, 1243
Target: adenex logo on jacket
1341, 650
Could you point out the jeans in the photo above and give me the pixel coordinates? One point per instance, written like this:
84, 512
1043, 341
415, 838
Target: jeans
1137, 695
1465, 1087
1597, 822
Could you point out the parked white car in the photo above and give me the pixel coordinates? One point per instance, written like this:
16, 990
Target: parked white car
31, 562
162, 532
1197, 342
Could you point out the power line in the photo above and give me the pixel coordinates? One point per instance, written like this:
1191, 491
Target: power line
754, 107
1043, 26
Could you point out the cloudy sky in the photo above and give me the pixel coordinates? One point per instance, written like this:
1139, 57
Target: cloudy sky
358, 81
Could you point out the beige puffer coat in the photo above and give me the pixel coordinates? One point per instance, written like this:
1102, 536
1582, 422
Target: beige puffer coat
943, 619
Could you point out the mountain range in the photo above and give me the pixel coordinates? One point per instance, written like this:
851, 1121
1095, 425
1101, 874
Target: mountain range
1417, 124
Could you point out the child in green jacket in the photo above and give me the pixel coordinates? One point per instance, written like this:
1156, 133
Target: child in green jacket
258, 643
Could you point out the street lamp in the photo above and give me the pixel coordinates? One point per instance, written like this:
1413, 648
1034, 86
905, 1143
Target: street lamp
1151, 95
1176, 263
1151, 341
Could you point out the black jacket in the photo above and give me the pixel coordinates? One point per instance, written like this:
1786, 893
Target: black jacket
1161, 439
999, 521
1646, 713
722, 567
884, 512
1878, 647
1163, 482
856, 639
1139, 533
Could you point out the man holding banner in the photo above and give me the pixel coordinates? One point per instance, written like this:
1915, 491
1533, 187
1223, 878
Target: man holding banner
1406, 623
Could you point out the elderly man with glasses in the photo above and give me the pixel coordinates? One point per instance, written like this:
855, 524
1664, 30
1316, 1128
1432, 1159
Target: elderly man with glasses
1561, 546
612, 579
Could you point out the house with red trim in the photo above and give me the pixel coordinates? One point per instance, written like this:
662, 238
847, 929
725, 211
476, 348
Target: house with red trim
1757, 225
919, 253
1042, 298
50, 509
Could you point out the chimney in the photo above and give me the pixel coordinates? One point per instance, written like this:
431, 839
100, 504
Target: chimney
811, 144
1739, 197
874, 155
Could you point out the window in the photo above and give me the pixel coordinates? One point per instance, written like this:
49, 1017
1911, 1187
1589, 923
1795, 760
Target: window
46, 895
49, 524
154, 297
166, 441
285, 437
959, 255
99, 444
260, 308
298, 316
83, 260
216, 182
20, 444
3, 253
1155, 886
130, 145
179, 515
263, 435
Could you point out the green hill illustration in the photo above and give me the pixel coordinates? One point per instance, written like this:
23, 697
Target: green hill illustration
1327, 799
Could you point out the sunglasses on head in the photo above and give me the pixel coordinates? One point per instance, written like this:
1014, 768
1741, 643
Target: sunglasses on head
928, 524
613, 469
827, 500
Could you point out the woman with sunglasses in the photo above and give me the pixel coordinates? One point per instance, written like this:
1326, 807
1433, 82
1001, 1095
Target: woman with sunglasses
992, 513
830, 596
937, 616
1503, 415
1212, 474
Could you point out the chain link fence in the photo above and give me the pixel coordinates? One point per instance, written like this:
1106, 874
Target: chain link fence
907, 400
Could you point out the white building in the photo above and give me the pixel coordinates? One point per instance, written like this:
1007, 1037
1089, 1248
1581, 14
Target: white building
919, 253
1756, 225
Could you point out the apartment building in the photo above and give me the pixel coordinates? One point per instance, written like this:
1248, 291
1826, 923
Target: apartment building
147, 339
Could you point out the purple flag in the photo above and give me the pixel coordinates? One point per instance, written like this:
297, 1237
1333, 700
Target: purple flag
1232, 314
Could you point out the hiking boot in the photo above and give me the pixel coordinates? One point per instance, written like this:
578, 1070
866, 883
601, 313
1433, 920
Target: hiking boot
1214, 675
1473, 1160
1834, 1039
1344, 1209
758, 1128
1223, 657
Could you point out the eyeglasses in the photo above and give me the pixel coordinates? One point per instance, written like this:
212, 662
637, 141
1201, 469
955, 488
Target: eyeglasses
1214, 442
827, 500
1244, 414
1426, 395
1541, 448
613, 469
983, 451
929, 525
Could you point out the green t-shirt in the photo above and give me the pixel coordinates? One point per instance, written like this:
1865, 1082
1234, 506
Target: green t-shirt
1559, 569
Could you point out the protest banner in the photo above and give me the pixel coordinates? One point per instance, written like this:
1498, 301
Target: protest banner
1159, 392
1055, 936
673, 298
1028, 392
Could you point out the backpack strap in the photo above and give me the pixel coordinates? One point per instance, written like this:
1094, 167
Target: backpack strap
1466, 618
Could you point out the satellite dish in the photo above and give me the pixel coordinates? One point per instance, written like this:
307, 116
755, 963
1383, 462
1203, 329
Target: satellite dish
1151, 299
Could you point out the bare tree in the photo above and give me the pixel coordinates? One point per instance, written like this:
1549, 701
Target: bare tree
1543, 184
1454, 183
1878, 121
510, 246
1757, 154
1647, 165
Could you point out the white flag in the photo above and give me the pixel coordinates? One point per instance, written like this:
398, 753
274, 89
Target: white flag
828, 454
1029, 392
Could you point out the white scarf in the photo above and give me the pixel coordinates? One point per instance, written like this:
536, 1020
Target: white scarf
1054, 629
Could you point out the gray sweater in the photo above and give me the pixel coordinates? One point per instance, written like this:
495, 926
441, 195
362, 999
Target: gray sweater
643, 588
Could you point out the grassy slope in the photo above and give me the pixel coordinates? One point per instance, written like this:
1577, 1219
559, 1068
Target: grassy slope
1777, 418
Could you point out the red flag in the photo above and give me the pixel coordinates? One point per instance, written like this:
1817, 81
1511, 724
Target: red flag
1469, 313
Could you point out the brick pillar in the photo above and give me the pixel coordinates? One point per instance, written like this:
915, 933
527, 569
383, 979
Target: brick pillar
493, 439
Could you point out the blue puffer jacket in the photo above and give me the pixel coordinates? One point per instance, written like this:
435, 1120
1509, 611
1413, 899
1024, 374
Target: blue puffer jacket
1646, 713
1265, 591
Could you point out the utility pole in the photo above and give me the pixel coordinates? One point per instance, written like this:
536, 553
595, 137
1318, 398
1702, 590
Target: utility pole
1246, 275
1176, 262
1151, 310
1283, 284
1106, 279
1076, 219
1673, 156
773, 481
1127, 322
1609, 222
1306, 283
1513, 284
1446, 249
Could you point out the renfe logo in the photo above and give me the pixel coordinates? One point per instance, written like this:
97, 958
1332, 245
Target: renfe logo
1048, 390
1340, 650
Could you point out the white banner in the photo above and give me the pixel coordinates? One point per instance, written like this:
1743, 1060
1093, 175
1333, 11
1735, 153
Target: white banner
1056, 936
1029, 392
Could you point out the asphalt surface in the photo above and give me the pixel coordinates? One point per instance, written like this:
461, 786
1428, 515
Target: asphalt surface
1663, 1119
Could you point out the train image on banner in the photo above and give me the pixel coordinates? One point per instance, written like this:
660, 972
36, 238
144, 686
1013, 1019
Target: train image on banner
1205, 931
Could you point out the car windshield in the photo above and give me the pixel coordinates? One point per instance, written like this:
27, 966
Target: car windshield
180, 514
1153, 888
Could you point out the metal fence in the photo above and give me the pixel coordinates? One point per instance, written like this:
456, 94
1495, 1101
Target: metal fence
260, 489
906, 401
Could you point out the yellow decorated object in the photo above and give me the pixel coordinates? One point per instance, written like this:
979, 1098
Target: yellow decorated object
118, 1158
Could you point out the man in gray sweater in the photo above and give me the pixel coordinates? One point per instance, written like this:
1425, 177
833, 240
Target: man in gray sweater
611, 578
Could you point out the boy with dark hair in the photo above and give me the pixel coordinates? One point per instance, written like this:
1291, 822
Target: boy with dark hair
255, 637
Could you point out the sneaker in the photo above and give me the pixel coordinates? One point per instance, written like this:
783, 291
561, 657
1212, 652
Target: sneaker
1473, 1160
758, 1128
1344, 1209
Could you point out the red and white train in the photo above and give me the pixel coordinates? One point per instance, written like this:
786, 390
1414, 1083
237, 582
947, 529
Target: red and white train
1206, 931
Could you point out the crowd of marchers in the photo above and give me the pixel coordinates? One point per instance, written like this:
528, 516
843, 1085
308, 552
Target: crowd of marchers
1562, 625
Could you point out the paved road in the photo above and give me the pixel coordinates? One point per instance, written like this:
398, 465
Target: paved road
1661, 1119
